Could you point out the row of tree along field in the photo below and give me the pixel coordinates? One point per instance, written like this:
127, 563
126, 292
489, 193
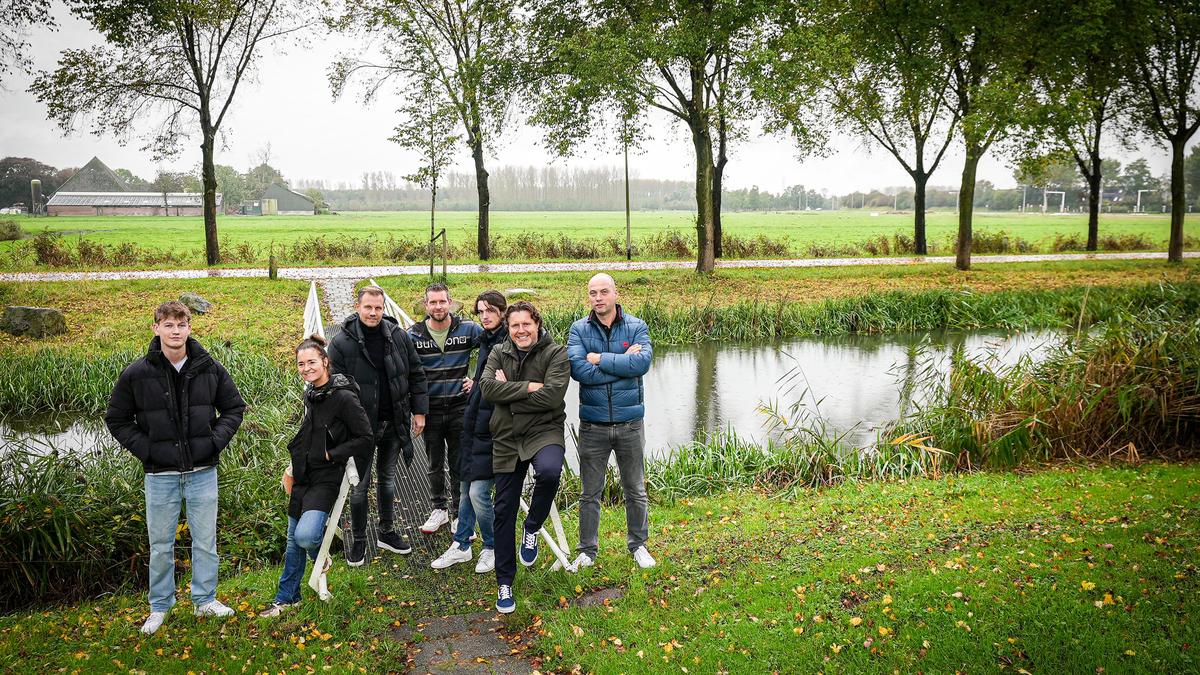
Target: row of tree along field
551, 188
1041, 82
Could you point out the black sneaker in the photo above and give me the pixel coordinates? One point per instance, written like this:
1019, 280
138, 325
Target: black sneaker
356, 555
394, 542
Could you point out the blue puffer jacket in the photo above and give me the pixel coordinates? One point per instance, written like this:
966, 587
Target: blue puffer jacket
475, 446
611, 391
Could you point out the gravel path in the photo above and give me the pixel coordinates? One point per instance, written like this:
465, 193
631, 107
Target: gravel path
352, 274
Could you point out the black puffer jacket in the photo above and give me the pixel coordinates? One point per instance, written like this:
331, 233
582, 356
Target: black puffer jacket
335, 429
168, 434
475, 448
348, 353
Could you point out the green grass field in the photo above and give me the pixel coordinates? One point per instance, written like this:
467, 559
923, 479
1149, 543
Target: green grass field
1073, 569
801, 229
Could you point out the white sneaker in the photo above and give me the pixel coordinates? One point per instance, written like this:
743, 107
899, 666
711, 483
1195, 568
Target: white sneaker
437, 519
452, 556
453, 526
154, 622
487, 561
643, 557
213, 608
585, 560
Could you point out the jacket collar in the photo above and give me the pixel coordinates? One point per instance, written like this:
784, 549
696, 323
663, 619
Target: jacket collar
353, 327
509, 347
618, 319
491, 338
422, 326
197, 356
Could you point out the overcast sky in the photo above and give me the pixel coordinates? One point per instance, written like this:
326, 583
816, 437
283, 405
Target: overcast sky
312, 136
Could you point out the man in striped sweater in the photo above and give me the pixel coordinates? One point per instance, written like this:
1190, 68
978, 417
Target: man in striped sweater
444, 343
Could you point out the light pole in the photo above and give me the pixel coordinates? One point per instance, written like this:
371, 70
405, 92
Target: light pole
625, 142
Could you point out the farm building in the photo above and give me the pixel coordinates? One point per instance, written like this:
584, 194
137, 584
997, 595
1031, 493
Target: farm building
287, 202
95, 190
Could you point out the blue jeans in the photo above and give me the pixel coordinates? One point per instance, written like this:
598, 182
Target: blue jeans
303, 540
476, 502
165, 495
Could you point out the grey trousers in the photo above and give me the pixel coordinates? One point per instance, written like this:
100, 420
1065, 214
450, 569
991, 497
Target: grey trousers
596, 442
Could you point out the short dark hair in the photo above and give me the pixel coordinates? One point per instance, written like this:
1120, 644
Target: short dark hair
492, 297
437, 287
316, 342
524, 306
172, 309
370, 290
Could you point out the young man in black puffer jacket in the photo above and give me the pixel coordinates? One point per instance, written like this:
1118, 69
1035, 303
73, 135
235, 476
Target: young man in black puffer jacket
176, 409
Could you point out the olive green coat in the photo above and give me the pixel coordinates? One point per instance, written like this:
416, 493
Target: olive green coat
522, 422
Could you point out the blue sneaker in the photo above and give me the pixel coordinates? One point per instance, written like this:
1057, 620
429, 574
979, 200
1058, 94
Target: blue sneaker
529, 547
505, 604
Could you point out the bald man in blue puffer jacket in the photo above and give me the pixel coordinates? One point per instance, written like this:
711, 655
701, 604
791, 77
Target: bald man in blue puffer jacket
610, 351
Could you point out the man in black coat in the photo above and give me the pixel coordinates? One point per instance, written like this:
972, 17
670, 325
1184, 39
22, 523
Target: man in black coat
374, 350
176, 409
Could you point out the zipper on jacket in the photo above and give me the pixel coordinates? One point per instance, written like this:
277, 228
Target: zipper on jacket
610, 410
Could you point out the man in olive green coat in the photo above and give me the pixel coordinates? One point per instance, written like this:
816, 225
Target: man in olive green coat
526, 379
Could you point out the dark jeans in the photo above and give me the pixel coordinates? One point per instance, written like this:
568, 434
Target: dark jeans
387, 450
596, 443
443, 432
547, 468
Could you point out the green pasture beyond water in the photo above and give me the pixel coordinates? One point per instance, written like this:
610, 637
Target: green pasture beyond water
802, 228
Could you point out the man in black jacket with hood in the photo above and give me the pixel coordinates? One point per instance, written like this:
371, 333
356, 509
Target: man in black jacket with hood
374, 350
176, 409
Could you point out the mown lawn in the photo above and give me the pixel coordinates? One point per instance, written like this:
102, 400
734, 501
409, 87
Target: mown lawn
1068, 569
104, 316
800, 229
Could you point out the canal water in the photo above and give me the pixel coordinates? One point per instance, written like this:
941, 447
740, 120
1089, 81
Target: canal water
856, 383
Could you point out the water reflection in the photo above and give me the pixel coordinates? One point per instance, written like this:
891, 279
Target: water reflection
46, 433
862, 382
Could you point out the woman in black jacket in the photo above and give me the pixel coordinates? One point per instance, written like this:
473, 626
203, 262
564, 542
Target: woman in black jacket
335, 429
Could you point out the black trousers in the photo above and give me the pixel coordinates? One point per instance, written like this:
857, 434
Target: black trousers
443, 434
547, 467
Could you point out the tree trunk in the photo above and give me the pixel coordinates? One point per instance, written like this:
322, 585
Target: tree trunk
717, 180
921, 246
432, 228
483, 243
208, 177
1094, 198
1178, 207
705, 253
966, 207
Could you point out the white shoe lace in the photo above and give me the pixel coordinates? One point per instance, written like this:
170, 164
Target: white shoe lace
530, 540
506, 592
